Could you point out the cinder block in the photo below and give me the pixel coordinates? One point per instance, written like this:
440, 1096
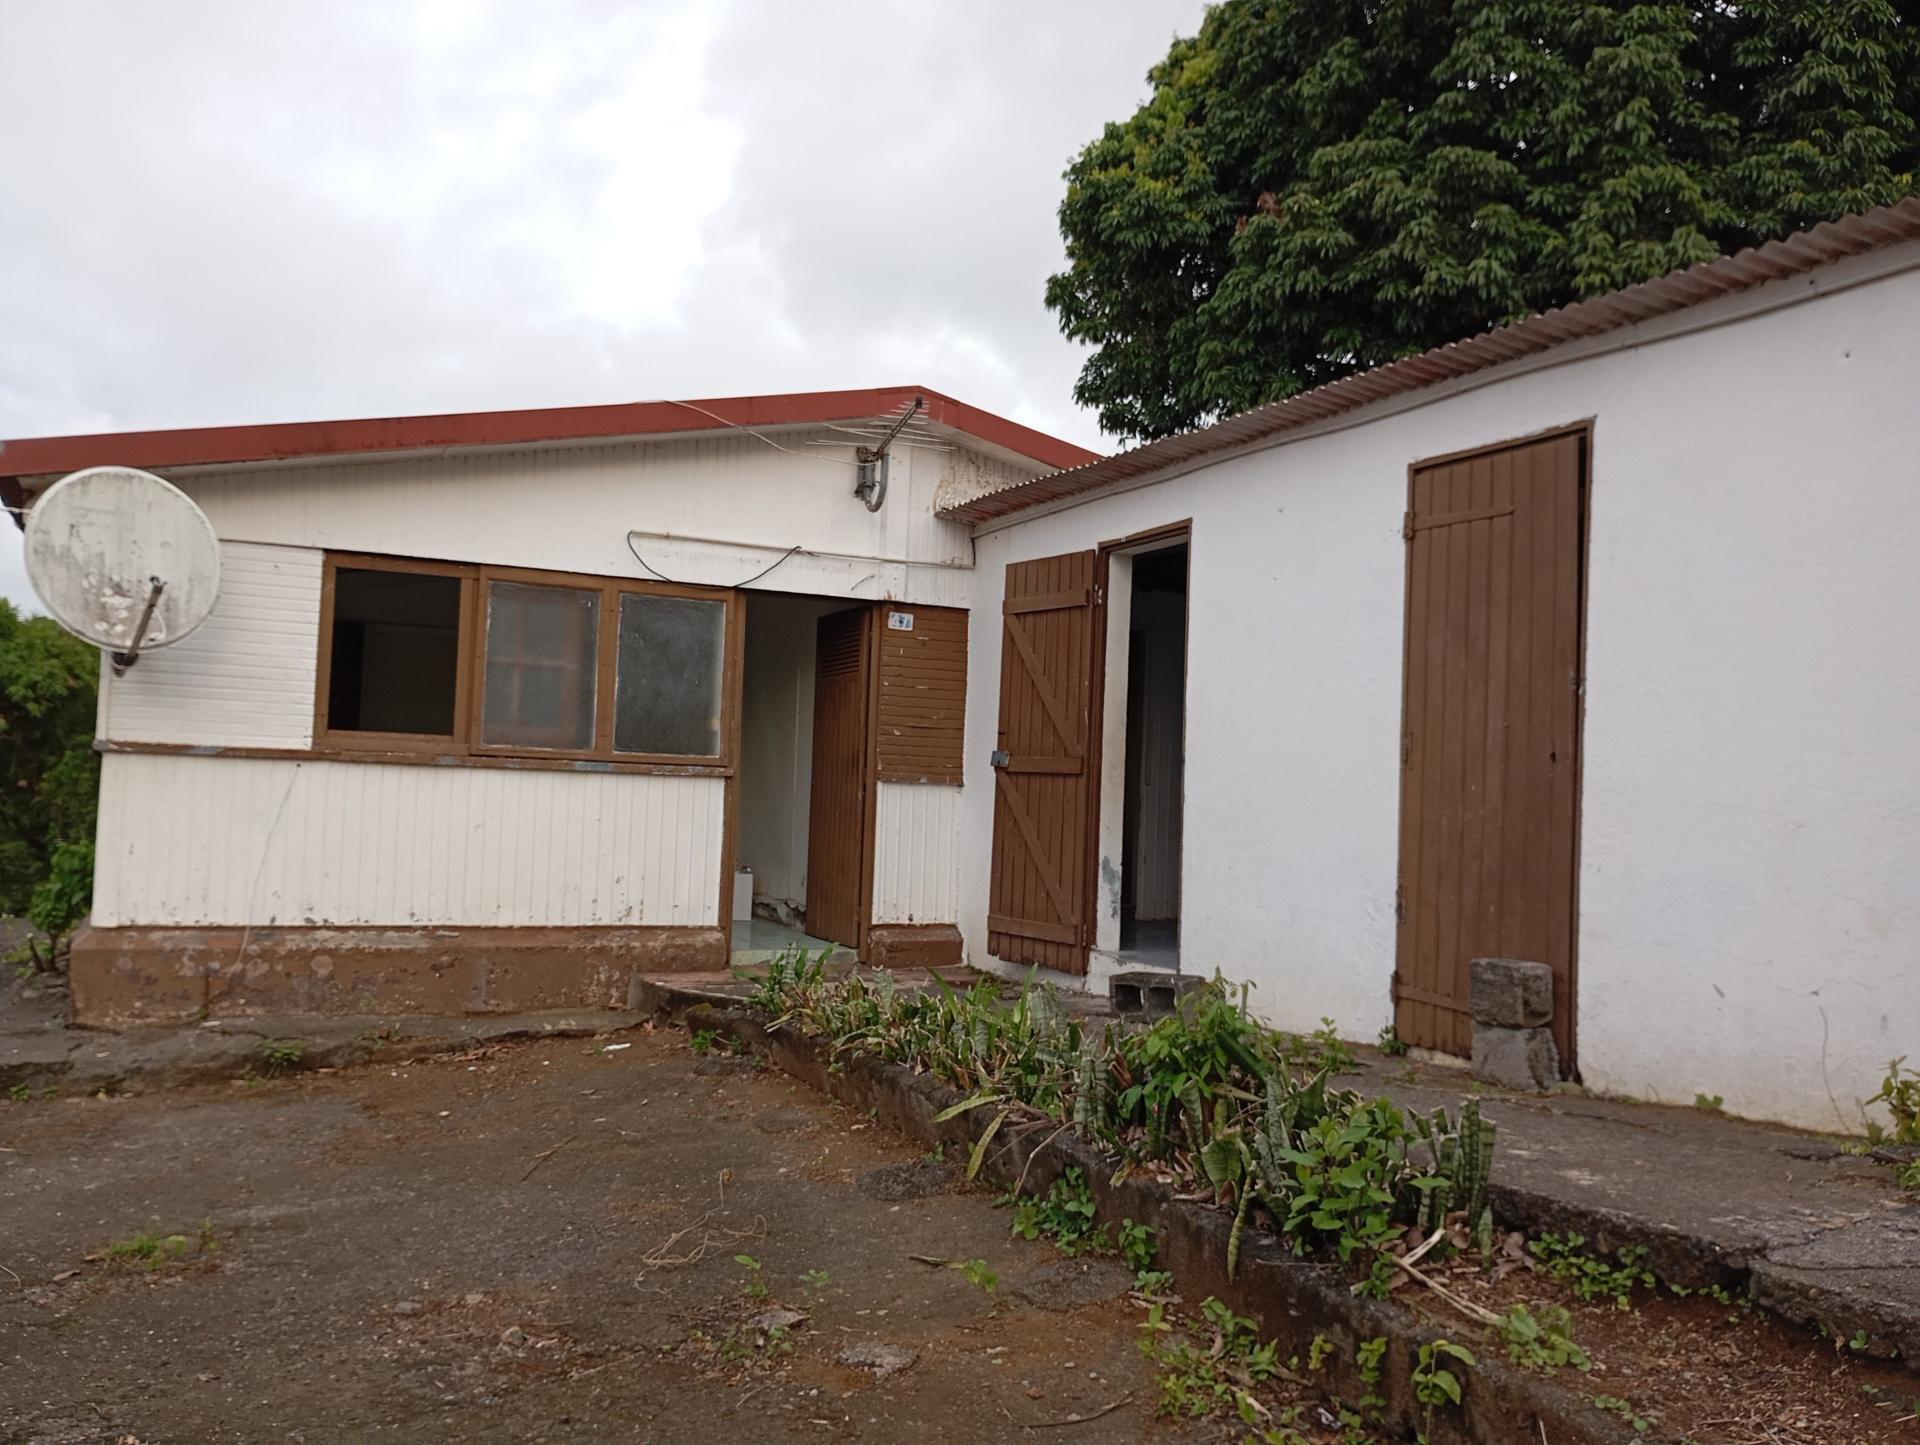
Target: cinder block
1149, 992
1515, 1058
1511, 993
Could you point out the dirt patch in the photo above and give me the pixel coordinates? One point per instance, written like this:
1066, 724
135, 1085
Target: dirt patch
472, 1249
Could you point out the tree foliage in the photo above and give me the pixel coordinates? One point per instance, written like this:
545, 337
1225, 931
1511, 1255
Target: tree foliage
1320, 186
49, 775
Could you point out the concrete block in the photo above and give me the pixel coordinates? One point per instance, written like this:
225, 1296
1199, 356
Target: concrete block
1511, 993
1150, 991
1515, 1058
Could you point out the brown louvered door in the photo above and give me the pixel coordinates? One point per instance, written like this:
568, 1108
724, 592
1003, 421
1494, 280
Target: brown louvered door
1042, 811
837, 812
1490, 748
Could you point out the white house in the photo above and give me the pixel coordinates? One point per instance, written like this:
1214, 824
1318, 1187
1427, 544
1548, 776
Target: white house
1593, 640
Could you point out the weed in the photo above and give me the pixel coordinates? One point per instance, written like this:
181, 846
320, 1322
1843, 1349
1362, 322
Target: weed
792, 974
21, 1093
279, 1055
1136, 1245
1859, 1342
1152, 1282
1391, 1044
1063, 1214
814, 1281
1712, 1103
756, 1285
1908, 1177
980, 1274
1323, 1049
1900, 1092
1433, 1383
712, 1041
1617, 1406
1542, 1342
1197, 1382
1318, 1349
155, 1251
1589, 1276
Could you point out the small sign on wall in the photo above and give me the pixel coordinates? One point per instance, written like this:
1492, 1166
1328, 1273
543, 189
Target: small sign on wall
899, 622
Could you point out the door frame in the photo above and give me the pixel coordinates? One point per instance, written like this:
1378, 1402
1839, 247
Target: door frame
1150, 539
1583, 430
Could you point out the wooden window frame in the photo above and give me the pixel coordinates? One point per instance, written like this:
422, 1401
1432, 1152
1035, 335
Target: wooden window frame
470, 670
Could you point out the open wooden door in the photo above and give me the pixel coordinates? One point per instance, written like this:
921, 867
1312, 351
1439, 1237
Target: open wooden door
837, 821
1037, 908
1490, 750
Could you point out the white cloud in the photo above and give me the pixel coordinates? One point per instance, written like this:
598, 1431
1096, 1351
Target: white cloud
214, 211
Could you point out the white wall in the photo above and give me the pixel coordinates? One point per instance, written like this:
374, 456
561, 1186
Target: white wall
235, 841
1750, 857
916, 853
713, 510
776, 744
245, 678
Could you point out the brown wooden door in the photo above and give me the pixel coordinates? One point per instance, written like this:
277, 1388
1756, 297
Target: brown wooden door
837, 813
1042, 807
1490, 751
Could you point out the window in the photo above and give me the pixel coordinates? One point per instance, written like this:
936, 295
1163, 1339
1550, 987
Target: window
542, 656
668, 676
393, 644
434, 657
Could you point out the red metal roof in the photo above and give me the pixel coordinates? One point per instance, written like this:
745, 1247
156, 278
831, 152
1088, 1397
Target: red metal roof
1807, 251
298, 441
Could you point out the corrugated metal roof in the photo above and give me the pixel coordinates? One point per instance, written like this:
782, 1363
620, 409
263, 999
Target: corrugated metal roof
1795, 255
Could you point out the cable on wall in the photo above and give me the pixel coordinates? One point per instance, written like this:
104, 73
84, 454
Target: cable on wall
655, 571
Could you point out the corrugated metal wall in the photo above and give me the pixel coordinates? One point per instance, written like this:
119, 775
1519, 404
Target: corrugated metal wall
710, 510
245, 678
916, 853
233, 841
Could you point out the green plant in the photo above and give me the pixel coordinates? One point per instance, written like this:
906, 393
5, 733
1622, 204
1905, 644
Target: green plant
1900, 1092
1589, 1276
1136, 1245
1151, 1282
712, 1041
979, 1274
814, 1281
1391, 1044
1063, 1214
1433, 1383
279, 1055
153, 1251
1617, 1406
756, 1285
1542, 1342
1197, 1382
792, 974
1712, 1103
1318, 1350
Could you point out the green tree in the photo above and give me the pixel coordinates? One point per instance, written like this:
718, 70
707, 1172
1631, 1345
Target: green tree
1320, 186
49, 775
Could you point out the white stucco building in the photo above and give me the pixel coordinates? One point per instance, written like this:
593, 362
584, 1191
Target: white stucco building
1594, 640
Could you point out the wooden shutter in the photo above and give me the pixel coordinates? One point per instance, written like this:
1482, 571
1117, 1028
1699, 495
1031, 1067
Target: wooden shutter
1489, 755
837, 812
1037, 900
923, 693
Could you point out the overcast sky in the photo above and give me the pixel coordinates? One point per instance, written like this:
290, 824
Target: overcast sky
243, 212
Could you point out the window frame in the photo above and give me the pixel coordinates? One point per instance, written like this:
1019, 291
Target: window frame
470, 670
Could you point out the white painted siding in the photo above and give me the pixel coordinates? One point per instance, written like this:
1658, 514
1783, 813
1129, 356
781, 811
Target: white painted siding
246, 678
713, 510
236, 841
916, 858
1750, 858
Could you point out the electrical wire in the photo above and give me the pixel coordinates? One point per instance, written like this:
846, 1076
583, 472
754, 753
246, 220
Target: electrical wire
760, 436
678, 583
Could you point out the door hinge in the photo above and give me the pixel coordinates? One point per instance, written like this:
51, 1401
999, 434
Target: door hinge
1399, 916
1406, 526
999, 757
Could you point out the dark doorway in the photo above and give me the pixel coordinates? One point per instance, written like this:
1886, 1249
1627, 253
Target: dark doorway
1151, 842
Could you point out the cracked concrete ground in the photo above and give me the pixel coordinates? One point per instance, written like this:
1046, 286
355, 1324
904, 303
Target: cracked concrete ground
533, 1240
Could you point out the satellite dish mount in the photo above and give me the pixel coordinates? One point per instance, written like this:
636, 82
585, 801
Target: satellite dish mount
870, 476
122, 559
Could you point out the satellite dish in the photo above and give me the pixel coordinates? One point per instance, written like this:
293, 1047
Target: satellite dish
123, 559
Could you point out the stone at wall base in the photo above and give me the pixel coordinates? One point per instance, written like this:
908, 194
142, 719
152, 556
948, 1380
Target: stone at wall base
1515, 1058
1511, 993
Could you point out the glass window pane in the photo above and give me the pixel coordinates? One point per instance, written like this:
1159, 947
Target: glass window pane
395, 653
667, 686
542, 647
